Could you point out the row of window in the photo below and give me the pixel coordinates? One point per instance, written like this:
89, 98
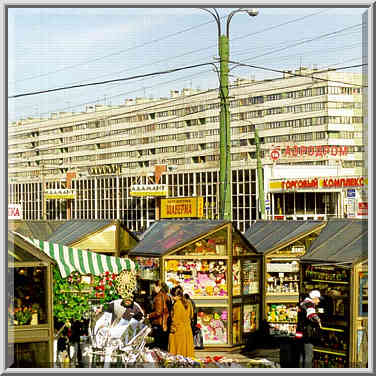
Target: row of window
307, 122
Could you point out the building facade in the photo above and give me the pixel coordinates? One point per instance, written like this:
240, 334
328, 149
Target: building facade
308, 117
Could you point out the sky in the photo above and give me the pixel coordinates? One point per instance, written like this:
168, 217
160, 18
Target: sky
56, 47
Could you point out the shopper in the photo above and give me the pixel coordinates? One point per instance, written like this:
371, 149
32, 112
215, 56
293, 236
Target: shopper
307, 331
160, 316
194, 310
181, 337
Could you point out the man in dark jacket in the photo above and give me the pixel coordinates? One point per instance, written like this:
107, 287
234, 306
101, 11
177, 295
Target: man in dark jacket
307, 328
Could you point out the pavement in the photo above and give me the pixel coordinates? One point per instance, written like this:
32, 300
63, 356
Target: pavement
244, 356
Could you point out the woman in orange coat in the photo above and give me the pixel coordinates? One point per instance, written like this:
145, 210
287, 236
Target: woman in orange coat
181, 337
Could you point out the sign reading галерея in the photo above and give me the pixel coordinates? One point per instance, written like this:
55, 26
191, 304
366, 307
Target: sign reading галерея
187, 207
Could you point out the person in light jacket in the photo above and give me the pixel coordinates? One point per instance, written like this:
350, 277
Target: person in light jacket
307, 328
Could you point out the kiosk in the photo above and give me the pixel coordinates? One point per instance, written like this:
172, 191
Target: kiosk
216, 266
337, 265
30, 321
282, 243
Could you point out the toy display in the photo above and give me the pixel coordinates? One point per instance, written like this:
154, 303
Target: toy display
236, 286
213, 324
250, 319
199, 277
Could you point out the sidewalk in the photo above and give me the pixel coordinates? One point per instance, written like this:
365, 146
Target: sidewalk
244, 357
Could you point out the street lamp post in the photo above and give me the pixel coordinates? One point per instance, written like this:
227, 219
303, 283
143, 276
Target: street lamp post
225, 202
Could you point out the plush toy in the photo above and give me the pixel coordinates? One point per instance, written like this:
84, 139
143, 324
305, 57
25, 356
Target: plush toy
209, 290
224, 315
173, 265
204, 266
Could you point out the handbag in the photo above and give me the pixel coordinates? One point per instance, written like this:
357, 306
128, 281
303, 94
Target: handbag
198, 340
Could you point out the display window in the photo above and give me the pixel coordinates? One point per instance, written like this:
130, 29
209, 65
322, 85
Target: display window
213, 323
236, 324
282, 318
239, 248
250, 317
251, 277
211, 245
198, 278
148, 267
282, 278
236, 282
363, 294
28, 305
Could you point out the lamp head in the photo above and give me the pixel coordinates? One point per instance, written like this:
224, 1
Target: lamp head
252, 12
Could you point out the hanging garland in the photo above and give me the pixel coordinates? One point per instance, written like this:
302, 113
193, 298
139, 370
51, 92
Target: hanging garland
126, 283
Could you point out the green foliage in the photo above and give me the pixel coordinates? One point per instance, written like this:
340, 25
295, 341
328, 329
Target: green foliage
72, 297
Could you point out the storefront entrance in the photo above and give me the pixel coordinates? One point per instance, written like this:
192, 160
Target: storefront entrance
305, 205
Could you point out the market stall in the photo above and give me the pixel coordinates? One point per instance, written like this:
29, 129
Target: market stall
282, 243
215, 265
337, 265
30, 322
103, 236
79, 280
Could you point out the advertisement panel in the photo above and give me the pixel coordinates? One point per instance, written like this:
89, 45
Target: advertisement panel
143, 190
185, 207
14, 211
59, 193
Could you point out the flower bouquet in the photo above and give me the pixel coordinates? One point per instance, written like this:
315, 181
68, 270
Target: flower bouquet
22, 315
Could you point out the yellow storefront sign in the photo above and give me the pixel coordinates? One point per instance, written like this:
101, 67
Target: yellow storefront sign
187, 207
144, 190
62, 194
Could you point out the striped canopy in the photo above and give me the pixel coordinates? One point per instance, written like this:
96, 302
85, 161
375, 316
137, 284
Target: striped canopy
85, 262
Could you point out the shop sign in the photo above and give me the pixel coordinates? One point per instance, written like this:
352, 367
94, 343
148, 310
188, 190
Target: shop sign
14, 211
188, 207
279, 217
142, 190
363, 208
316, 183
60, 193
342, 182
351, 193
317, 151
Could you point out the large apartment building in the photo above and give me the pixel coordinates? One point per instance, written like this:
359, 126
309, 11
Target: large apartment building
307, 117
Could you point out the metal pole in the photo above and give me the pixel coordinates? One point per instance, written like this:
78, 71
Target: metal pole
224, 133
260, 179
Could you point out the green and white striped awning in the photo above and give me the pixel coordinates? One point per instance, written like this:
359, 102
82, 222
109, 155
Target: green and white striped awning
85, 262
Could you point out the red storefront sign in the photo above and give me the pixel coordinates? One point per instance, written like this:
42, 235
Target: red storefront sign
317, 151
317, 183
342, 182
363, 208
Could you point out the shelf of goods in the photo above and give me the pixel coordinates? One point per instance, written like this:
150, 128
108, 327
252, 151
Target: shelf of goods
332, 350
30, 323
205, 271
281, 296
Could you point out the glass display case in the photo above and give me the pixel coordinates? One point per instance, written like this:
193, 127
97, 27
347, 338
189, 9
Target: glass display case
217, 267
282, 287
334, 283
30, 322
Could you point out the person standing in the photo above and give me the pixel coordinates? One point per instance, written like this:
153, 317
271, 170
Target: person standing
181, 337
159, 318
307, 328
194, 310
